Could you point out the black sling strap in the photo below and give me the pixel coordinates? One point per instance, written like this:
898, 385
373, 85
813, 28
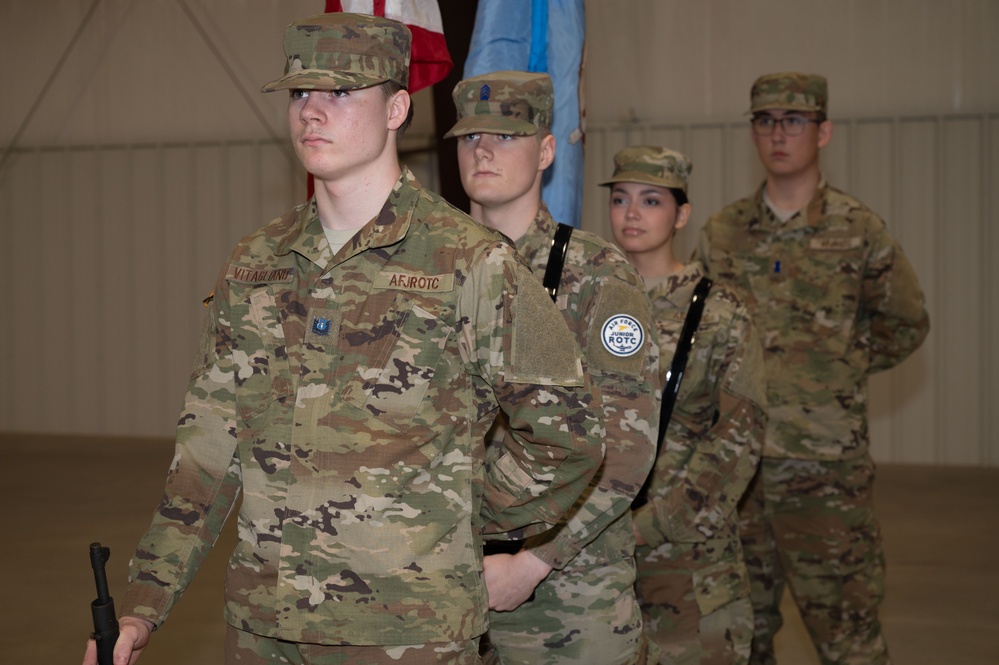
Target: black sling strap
553, 271
675, 374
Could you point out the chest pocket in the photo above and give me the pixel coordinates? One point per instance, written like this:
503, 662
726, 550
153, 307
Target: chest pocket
260, 356
824, 295
396, 363
700, 376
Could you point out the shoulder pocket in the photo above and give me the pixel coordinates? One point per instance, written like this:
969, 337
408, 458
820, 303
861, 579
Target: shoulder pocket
618, 339
542, 349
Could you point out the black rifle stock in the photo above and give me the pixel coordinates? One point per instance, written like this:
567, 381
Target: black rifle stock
102, 608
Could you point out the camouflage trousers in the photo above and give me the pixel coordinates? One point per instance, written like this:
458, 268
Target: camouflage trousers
244, 648
810, 525
583, 614
695, 601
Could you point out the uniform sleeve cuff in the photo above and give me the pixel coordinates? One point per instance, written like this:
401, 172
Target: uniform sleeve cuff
146, 603
556, 552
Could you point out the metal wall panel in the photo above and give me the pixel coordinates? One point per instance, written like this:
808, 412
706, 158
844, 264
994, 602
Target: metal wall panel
961, 316
915, 222
113, 248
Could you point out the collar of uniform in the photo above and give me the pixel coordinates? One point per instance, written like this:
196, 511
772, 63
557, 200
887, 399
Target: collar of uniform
306, 237
538, 237
816, 208
765, 220
386, 228
678, 288
392, 222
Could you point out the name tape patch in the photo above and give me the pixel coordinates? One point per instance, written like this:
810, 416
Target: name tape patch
262, 276
834, 244
412, 282
622, 335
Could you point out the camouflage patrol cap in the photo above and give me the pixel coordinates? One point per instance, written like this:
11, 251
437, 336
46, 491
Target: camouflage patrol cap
792, 91
651, 165
508, 102
341, 51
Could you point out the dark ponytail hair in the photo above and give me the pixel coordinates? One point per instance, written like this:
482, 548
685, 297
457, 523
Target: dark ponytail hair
679, 195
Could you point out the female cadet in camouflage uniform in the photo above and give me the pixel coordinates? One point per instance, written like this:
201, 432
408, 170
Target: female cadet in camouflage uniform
836, 300
357, 349
582, 573
692, 582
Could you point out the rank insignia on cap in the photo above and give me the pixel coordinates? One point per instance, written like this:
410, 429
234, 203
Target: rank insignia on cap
622, 335
321, 326
484, 92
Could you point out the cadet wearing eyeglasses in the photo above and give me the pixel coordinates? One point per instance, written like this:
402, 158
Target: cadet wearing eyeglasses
835, 300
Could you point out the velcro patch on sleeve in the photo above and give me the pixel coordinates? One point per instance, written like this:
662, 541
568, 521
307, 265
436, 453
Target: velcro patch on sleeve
544, 351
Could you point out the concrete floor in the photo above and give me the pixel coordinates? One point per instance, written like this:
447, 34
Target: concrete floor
941, 527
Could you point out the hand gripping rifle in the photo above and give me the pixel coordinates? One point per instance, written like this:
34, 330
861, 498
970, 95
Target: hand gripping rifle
105, 623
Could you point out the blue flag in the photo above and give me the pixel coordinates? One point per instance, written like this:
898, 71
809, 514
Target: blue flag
541, 36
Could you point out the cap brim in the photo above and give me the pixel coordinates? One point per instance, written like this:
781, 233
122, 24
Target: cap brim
491, 124
779, 106
644, 178
322, 79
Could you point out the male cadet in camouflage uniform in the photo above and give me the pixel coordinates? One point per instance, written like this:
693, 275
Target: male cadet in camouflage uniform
692, 582
358, 348
582, 573
835, 300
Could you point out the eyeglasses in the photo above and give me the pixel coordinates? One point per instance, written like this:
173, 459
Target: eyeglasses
791, 125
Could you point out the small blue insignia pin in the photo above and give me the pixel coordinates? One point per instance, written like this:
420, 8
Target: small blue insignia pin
484, 92
321, 326
776, 266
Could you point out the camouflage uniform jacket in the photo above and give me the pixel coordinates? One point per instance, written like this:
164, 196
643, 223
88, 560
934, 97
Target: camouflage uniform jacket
713, 442
597, 285
347, 396
834, 298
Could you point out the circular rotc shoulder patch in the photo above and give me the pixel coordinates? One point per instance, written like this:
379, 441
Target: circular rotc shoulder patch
622, 335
